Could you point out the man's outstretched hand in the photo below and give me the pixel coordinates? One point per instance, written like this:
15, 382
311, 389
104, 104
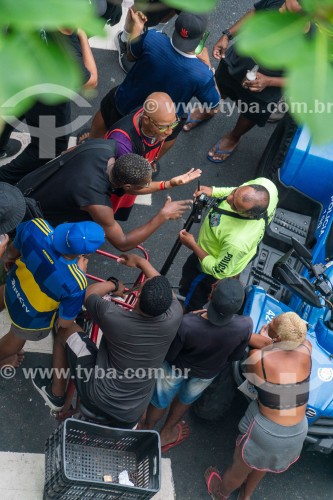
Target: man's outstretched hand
189, 176
175, 209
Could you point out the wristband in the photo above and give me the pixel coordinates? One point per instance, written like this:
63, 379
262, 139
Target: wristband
228, 34
115, 281
162, 185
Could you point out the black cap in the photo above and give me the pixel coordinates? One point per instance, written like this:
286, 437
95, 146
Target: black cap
227, 299
189, 29
12, 207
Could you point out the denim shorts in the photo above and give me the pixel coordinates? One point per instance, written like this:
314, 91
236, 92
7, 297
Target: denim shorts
170, 384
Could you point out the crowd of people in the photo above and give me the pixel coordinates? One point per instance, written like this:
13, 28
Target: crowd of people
153, 358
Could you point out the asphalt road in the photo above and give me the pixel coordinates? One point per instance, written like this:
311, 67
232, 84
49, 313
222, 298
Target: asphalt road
210, 443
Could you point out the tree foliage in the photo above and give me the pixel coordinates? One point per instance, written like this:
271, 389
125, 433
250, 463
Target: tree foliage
26, 61
275, 40
198, 6
302, 45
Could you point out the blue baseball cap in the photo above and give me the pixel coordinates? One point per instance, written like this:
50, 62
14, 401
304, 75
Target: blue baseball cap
76, 238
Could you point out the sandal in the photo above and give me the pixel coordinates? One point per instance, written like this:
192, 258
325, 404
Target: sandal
196, 123
217, 151
210, 473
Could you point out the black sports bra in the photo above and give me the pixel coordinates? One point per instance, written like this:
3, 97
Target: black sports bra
283, 396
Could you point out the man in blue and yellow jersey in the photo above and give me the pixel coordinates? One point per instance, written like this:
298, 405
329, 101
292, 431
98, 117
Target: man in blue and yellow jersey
45, 282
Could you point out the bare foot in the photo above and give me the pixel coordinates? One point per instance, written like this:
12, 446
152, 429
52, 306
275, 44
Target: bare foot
221, 151
214, 481
16, 360
175, 435
196, 118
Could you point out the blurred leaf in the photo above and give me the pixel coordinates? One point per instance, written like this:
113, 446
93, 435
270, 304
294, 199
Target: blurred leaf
317, 5
319, 9
274, 40
195, 6
38, 64
50, 14
309, 84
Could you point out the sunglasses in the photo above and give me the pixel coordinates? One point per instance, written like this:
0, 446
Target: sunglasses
164, 128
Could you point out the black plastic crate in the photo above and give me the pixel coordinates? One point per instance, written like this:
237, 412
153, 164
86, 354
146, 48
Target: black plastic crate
79, 454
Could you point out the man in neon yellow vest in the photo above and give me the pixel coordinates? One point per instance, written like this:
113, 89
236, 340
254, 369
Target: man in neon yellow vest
228, 238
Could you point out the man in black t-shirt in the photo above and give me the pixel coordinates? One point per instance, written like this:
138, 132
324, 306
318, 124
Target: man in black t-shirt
80, 190
206, 342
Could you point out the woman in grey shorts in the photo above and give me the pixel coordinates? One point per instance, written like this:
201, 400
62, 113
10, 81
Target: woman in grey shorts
274, 426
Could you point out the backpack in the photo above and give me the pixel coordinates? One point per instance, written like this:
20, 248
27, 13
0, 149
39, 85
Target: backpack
32, 181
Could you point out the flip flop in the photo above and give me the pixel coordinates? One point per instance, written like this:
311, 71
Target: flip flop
219, 151
182, 436
214, 473
198, 123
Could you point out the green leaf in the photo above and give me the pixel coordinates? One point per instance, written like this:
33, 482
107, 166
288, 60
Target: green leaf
40, 66
273, 39
51, 14
309, 89
321, 10
195, 6
317, 5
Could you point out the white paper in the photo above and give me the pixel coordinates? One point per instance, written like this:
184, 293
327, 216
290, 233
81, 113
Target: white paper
124, 479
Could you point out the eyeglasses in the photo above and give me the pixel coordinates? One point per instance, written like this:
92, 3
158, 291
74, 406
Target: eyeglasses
164, 128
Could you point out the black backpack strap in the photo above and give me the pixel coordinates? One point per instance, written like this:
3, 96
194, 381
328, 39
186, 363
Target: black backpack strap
235, 215
38, 177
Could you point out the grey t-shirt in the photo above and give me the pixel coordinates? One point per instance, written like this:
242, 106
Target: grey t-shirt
131, 342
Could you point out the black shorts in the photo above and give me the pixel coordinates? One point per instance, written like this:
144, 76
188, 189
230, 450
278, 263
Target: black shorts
195, 285
258, 111
108, 109
81, 354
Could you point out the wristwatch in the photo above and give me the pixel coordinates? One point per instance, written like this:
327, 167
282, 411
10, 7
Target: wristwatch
115, 281
228, 34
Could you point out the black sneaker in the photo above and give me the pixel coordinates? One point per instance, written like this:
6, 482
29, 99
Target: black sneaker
3, 154
124, 63
44, 387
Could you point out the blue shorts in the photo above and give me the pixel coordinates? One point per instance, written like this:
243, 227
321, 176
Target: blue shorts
169, 384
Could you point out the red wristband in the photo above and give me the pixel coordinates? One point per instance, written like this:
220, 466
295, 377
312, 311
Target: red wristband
162, 185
